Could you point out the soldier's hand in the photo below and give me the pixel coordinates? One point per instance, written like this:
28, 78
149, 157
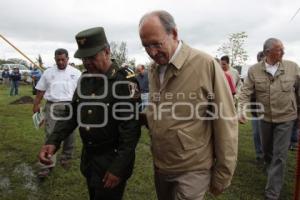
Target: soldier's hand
110, 180
46, 153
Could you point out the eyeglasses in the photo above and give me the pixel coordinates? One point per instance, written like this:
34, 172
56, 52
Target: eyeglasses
157, 45
278, 50
153, 46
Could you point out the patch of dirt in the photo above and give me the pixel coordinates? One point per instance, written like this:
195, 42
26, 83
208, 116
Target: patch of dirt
29, 178
23, 100
4, 183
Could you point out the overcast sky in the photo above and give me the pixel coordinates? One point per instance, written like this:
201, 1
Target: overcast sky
40, 27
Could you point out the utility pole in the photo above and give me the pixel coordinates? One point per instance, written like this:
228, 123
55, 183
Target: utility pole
18, 50
295, 15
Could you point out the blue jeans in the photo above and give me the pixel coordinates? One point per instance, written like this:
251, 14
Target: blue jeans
256, 138
294, 138
14, 88
145, 101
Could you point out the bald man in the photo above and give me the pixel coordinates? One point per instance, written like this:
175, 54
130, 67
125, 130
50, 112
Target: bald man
192, 152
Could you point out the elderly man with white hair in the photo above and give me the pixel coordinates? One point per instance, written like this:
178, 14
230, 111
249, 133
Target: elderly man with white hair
275, 84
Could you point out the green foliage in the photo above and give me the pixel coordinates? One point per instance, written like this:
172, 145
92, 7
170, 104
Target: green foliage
40, 61
18, 61
119, 53
5, 62
234, 48
80, 67
20, 144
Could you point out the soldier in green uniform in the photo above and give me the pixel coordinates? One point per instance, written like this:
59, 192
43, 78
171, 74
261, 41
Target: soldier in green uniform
104, 106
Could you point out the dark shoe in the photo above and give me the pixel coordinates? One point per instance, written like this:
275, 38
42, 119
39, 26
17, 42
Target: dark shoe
259, 162
43, 173
259, 159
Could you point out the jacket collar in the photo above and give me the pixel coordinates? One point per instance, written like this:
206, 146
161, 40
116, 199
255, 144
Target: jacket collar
111, 73
173, 68
181, 57
280, 70
178, 61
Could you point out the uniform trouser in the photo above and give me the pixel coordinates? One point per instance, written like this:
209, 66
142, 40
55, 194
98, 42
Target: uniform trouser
256, 138
69, 142
14, 88
275, 140
101, 193
184, 186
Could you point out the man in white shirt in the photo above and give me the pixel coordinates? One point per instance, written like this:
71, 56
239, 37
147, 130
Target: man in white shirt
57, 86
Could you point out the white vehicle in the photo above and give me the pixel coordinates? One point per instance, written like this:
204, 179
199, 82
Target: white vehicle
24, 71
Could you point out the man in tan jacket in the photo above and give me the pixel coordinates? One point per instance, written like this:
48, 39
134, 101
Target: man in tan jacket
275, 83
191, 115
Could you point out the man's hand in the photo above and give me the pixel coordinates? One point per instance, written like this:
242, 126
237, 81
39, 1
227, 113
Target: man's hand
215, 191
37, 101
46, 153
36, 108
242, 119
110, 180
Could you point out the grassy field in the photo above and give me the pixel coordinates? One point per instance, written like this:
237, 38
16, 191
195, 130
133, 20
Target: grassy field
20, 144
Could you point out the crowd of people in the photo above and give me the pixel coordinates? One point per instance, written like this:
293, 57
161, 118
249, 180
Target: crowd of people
190, 102
12, 78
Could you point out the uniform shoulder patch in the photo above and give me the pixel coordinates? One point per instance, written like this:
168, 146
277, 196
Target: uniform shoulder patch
128, 73
134, 91
131, 82
130, 76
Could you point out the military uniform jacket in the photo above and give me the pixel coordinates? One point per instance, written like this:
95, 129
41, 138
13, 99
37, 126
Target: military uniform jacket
109, 134
183, 137
278, 94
